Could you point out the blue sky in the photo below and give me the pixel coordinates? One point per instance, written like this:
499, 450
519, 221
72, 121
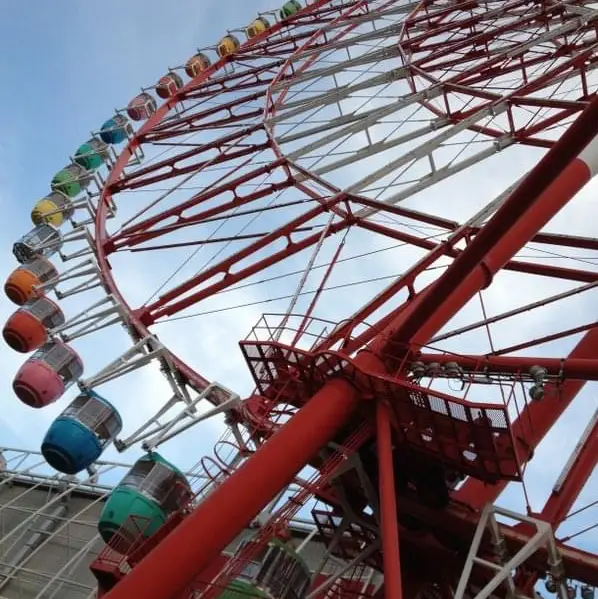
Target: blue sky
66, 66
71, 64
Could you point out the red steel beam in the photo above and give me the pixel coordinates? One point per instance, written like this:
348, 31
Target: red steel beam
185, 123
137, 178
219, 518
449, 48
488, 70
532, 425
587, 243
209, 214
566, 491
222, 123
561, 173
160, 116
558, 239
543, 270
198, 198
168, 303
389, 527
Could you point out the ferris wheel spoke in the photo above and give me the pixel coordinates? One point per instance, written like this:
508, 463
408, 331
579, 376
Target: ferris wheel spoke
514, 312
374, 56
353, 124
149, 225
224, 122
425, 153
571, 241
311, 52
285, 111
224, 270
464, 21
240, 81
226, 152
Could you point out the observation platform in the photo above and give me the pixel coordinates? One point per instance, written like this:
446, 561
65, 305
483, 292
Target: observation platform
474, 438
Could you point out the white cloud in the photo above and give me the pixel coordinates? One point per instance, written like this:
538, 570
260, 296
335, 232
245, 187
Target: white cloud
139, 47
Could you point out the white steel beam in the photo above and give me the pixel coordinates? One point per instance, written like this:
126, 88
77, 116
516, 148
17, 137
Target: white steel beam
504, 566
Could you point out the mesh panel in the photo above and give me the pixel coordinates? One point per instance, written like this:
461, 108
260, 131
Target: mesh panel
46, 311
43, 269
472, 438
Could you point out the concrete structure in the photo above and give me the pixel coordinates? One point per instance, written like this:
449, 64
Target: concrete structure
48, 534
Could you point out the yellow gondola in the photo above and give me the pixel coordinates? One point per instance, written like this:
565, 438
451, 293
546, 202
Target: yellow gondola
53, 209
197, 64
258, 26
229, 44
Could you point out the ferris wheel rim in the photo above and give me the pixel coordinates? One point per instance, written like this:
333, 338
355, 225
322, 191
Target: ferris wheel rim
136, 327
194, 378
140, 327
137, 324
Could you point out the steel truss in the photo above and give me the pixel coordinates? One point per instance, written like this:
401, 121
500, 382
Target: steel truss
330, 379
49, 528
504, 565
329, 125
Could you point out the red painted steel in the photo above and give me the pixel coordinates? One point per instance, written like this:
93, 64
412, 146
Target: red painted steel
565, 368
145, 227
220, 516
173, 564
549, 187
168, 568
162, 307
389, 527
137, 179
533, 425
472, 437
560, 502
103, 243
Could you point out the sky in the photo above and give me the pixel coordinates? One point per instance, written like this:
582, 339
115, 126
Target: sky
79, 63
70, 65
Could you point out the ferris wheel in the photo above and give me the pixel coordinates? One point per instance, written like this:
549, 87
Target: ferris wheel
366, 170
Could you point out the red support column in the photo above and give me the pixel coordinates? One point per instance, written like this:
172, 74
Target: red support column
216, 522
561, 499
565, 169
190, 548
389, 528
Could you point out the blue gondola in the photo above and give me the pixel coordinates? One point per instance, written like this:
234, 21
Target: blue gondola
80, 434
115, 130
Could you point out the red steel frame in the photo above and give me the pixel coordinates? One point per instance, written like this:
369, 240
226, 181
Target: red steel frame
196, 542
388, 505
